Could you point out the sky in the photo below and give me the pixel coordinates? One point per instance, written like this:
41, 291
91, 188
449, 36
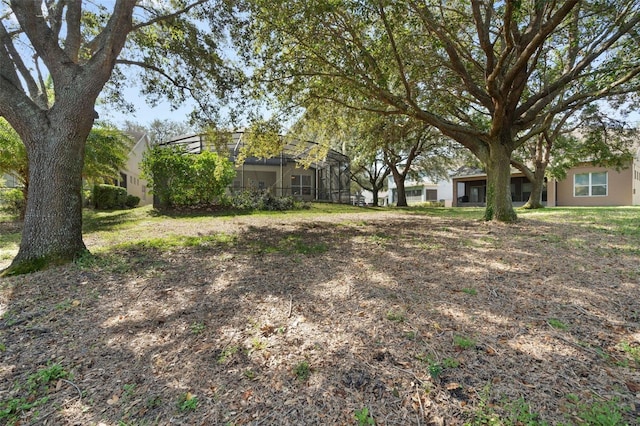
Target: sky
144, 113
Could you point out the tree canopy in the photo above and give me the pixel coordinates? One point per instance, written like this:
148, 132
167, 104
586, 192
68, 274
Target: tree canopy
490, 75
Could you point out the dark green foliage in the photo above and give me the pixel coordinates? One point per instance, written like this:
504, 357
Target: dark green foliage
106, 153
180, 179
109, 197
261, 200
12, 201
132, 201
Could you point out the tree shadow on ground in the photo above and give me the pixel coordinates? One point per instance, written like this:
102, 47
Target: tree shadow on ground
420, 320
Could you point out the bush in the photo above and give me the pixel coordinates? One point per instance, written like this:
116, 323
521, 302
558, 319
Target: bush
12, 201
261, 200
179, 179
428, 204
87, 197
109, 197
132, 201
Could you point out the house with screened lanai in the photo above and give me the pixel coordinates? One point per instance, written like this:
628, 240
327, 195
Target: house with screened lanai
584, 185
296, 171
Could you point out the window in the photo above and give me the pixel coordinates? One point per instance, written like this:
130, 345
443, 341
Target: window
432, 195
300, 184
590, 184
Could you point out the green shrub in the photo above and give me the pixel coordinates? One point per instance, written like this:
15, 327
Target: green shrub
261, 200
12, 201
132, 201
180, 179
87, 197
109, 197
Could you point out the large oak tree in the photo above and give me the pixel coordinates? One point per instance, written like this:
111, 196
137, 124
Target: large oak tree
489, 74
79, 45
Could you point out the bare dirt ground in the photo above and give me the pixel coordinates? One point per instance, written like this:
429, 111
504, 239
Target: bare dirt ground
290, 321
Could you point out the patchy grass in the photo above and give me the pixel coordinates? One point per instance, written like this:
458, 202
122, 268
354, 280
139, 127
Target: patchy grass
340, 314
623, 221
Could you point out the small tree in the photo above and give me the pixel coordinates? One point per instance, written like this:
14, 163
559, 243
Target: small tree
106, 153
13, 159
212, 174
370, 174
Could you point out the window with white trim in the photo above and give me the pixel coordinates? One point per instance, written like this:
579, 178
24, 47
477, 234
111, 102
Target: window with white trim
594, 184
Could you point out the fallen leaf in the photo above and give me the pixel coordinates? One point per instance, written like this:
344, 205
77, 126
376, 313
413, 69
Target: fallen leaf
267, 330
452, 386
113, 400
633, 386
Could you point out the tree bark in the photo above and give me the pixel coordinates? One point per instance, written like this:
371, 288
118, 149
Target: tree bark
535, 198
54, 133
52, 230
375, 197
398, 178
499, 205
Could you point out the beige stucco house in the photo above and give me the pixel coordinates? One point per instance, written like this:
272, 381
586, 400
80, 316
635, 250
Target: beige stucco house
130, 175
585, 185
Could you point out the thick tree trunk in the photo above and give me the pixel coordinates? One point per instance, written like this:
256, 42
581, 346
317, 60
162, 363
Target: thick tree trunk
535, 198
499, 205
401, 193
375, 197
52, 230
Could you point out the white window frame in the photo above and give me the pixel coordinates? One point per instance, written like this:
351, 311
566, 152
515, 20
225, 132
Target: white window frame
301, 189
590, 185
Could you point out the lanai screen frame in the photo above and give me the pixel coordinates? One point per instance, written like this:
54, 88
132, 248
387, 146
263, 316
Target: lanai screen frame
332, 172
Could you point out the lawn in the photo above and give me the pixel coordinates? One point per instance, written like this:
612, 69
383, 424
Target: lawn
333, 315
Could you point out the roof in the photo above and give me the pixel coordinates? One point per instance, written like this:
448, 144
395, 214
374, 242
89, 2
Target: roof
467, 171
293, 149
470, 172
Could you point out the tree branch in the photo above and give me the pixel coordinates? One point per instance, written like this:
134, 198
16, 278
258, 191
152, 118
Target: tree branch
161, 72
537, 40
42, 38
169, 16
54, 10
10, 55
396, 55
536, 103
74, 36
456, 63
